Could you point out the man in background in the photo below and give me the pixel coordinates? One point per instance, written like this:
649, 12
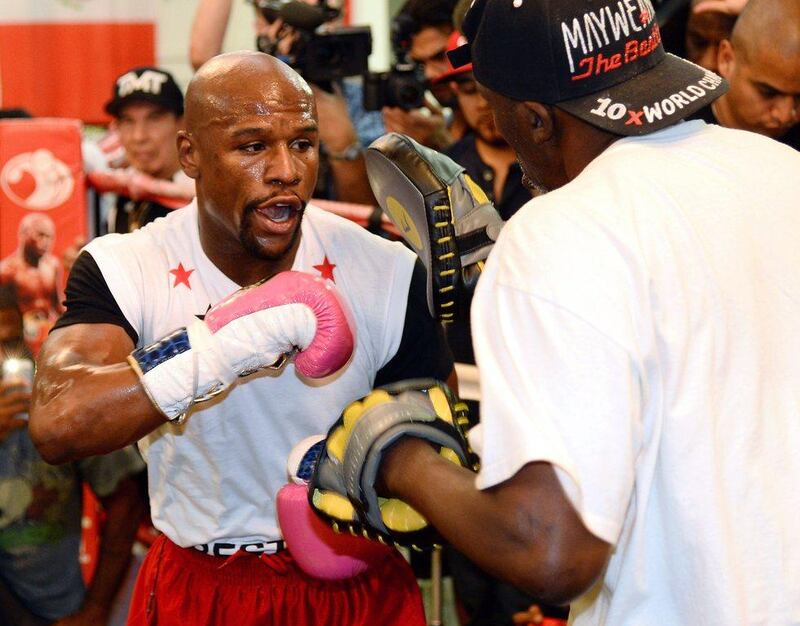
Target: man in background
427, 25
147, 106
761, 61
41, 509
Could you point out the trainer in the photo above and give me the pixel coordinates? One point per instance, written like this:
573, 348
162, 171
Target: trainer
154, 348
637, 329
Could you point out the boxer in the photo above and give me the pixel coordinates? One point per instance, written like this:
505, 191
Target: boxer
220, 336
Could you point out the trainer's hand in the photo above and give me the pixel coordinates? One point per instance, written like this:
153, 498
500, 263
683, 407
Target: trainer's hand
254, 328
14, 399
442, 214
343, 486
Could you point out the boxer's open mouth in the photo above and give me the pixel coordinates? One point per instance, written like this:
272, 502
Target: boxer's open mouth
280, 209
278, 212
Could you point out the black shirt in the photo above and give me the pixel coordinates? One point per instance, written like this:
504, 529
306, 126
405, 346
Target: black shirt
133, 214
514, 193
422, 353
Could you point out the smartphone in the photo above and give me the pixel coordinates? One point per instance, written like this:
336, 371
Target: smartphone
20, 373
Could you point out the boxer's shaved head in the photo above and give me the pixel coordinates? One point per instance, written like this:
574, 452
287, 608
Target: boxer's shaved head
761, 62
223, 85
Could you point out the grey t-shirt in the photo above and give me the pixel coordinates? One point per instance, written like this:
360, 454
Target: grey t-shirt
40, 521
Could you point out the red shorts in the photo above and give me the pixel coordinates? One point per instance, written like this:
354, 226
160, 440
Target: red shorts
184, 587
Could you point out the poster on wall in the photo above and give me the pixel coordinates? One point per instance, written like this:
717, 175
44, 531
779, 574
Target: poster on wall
59, 58
42, 216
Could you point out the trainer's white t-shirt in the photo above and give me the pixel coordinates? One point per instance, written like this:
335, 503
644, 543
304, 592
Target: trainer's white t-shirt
639, 329
216, 477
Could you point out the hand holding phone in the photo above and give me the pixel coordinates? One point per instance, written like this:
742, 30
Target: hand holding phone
15, 394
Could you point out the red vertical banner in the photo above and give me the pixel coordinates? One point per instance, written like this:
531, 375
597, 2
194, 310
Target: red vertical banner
42, 215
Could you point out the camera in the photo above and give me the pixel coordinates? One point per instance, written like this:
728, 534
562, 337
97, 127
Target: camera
404, 84
332, 55
319, 56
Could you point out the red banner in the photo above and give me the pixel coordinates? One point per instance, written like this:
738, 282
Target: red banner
42, 214
55, 69
60, 58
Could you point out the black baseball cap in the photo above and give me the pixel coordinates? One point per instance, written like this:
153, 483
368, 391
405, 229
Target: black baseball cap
600, 60
146, 84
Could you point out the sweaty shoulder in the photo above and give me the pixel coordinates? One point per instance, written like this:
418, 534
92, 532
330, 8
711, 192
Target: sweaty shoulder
134, 264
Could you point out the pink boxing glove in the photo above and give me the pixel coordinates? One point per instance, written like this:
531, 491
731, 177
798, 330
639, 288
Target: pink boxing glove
254, 328
318, 550
316, 547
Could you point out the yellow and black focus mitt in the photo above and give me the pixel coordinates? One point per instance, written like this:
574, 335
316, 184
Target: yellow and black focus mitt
441, 213
342, 487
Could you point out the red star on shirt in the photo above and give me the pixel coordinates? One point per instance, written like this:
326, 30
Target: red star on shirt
181, 275
326, 269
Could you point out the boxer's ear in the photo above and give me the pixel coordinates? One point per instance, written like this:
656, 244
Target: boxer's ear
187, 153
726, 58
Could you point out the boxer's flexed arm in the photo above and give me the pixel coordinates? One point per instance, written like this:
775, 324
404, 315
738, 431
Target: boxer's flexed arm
93, 393
87, 399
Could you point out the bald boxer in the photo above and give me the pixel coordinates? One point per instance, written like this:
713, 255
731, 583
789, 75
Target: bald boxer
35, 276
213, 408
761, 61
636, 330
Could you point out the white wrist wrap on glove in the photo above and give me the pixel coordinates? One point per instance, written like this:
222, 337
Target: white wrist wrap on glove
215, 360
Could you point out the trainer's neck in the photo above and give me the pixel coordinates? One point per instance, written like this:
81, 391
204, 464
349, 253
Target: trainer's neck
581, 143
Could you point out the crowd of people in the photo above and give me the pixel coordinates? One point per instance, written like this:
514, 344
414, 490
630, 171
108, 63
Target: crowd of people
635, 327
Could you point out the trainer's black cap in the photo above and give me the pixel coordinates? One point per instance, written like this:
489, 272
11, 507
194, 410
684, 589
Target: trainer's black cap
146, 84
600, 60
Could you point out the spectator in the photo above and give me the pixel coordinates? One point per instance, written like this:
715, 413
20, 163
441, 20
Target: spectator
40, 512
147, 106
427, 25
707, 25
761, 61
